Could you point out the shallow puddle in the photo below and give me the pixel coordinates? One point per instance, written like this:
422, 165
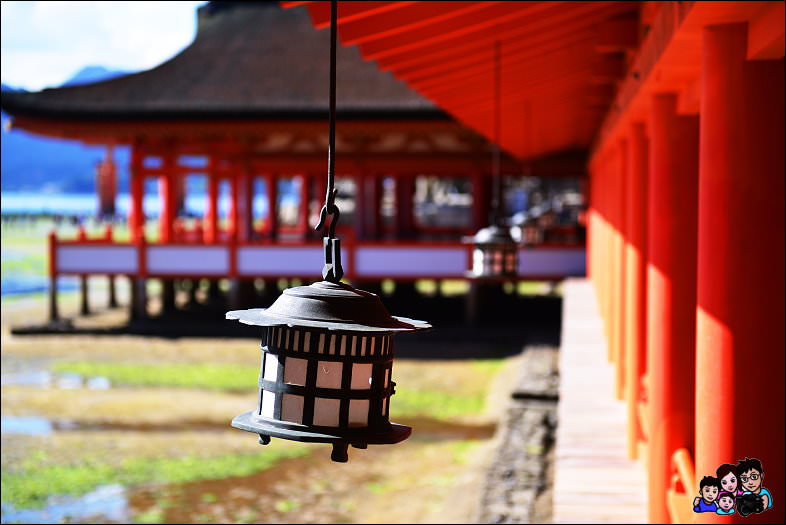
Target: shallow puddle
31, 425
46, 379
108, 504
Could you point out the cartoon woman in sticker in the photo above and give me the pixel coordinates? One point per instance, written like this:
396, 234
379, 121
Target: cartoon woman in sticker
727, 476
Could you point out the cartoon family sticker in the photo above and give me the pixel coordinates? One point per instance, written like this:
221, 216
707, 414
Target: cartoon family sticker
734, 489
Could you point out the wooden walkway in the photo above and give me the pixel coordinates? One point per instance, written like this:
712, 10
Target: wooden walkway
594, 482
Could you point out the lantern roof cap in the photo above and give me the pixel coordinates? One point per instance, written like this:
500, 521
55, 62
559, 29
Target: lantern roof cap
332, 306
492, 235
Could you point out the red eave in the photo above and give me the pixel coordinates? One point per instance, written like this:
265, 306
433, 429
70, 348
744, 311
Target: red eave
561, 61
567, 67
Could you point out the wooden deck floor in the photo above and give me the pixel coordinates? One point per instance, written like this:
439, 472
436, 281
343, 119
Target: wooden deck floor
594, 479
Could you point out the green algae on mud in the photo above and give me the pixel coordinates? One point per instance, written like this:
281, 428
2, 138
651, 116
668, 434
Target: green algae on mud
212, 376
30, 487
441, 402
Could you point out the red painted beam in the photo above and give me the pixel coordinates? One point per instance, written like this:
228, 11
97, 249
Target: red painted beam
419, 15
294, 3
351, 11
584, 14
482, 91
529, 67
514, 50
464, 25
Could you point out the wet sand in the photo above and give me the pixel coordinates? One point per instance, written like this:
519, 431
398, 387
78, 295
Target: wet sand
434, 477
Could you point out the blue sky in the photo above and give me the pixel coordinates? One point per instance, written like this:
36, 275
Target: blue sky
46, 43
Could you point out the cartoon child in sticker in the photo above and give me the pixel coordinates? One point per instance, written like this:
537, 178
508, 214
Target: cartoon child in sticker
709, 487
727, 475
725, 503
751, 474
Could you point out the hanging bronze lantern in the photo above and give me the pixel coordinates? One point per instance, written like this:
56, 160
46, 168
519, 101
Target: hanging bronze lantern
495, 252
327, 360
327, 348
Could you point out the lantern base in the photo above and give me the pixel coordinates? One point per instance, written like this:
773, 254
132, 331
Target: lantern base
357, 437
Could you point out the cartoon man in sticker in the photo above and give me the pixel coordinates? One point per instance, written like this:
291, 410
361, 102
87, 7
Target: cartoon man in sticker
751, 475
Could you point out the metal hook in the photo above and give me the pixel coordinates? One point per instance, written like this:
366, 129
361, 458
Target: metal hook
329, 208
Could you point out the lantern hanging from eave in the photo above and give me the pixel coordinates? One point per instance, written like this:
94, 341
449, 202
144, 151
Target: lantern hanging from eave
327, 348
495, 252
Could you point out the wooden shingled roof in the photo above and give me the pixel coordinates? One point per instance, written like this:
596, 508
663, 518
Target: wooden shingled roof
249, 60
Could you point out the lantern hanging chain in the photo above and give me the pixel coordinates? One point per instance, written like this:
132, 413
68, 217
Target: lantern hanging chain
495, 156
330, 194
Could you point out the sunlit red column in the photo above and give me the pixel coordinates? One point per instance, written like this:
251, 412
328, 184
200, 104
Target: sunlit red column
635, 279
136, 219
671, 291
271, 182
621, 242
166, 197
740, 330
211, 211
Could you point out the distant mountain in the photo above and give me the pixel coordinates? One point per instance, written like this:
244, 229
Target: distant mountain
89, 74
34, 163
6, 87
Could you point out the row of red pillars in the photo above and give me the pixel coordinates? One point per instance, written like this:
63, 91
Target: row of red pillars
686, 252
368, 222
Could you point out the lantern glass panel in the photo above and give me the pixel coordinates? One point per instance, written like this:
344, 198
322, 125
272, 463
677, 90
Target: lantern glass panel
271, 367
268, 404
358, 412
295, 371
361, 376
292, 408
326, 411
477, 261
329, 374
387, 377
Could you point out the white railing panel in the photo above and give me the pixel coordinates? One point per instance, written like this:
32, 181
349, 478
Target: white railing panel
194, 260
552, 262
283, 260
411, 261
87, 258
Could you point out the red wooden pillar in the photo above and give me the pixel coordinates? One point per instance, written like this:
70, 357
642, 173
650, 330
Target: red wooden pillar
232, 212
106, 184
272, 205
211, 210
320, 188
303, 211
635, 279
242, 194
740, 331
361, 204
372, 191
166, 198
136, 219
481, 200
671, 291
603, 243
615, 286
621, 175
405, 204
